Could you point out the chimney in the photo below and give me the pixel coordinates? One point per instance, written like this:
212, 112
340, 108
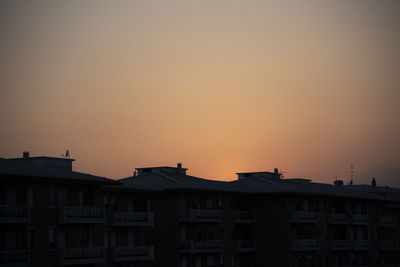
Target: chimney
277, 174
373, 182
25, 154
179, 167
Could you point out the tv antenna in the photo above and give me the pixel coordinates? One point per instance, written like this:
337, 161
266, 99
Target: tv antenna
66, 154
351, 174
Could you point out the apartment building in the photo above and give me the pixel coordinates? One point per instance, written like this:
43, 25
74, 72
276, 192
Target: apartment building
49, 214
53, 216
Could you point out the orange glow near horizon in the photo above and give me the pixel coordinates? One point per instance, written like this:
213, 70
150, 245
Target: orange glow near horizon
222, 87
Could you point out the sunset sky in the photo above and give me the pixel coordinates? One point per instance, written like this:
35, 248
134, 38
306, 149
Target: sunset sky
309, 87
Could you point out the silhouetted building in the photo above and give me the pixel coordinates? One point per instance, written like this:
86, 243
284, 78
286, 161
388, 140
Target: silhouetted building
53, 216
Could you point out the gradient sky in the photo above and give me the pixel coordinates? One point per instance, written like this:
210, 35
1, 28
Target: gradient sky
310, 87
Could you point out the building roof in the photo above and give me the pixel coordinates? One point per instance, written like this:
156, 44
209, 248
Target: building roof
261, 185
164, 180
23, 169
159, 167
42, 157
172, 179
386, 191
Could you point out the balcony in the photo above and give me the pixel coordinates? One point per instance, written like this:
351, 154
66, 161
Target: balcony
389, 245
359, 219
17, 258
361, 245
199, 215
338, 218
245, 217
339, 245
143, 253
245, 245
14, 214
132, 219
81, 215
304, 217
195, 247
70, 256
388, 221
305, 245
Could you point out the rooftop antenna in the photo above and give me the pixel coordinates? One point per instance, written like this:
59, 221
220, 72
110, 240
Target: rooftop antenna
66, 154
282, 172
351, 174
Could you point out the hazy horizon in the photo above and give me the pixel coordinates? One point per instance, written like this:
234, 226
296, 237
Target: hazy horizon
222, 87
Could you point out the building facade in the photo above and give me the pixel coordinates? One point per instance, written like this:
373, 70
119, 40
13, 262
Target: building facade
51, 215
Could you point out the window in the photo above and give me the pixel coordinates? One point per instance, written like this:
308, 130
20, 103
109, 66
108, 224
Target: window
219, 201
11, 240
184, 261
11, 196
52, 240
210, 261
209, 203
52, 196
31, 200
198, 261
51, 235
83, 235
30, 239
106, 196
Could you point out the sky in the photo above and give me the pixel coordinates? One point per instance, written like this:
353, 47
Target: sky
309, 87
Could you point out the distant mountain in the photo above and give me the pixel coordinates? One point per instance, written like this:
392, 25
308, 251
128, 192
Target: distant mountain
386, 174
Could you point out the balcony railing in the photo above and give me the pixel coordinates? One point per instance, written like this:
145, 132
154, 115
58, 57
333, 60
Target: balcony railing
339, 245
304, 217
81, 215
92, 255
305, 245
338, 218
132, 219
142, 253
245, 245
14, 214
14, 257
194, 247
359, 219
389, 221
200, 215
245, 217
361, 245
389, 245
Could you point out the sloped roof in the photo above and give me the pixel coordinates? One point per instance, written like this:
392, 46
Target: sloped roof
160, 180
300, 186
374, 189
22, 169
386, 191
163, 181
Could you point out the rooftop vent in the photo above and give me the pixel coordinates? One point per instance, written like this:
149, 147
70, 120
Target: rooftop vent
167, 169
338, 182
269, 175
